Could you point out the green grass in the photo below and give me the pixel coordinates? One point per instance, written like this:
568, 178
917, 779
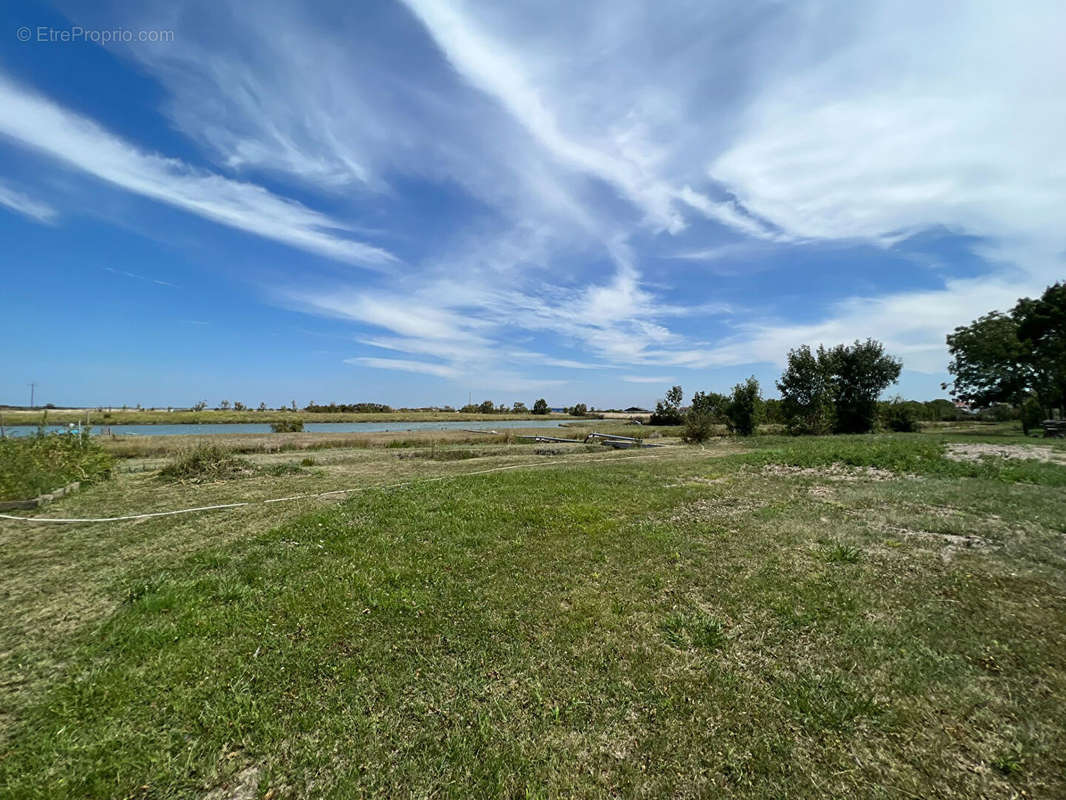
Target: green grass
685, 625
906, 454
34, 465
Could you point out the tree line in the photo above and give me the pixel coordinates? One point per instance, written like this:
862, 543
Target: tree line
1005, 365
825, 390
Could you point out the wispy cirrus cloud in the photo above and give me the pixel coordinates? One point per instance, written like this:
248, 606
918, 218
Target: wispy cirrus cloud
26, 205
39, 124
608, 170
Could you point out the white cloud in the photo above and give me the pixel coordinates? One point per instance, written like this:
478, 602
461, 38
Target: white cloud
784, 125
404, 365
660, 379
40, 124
913, 120
25, 205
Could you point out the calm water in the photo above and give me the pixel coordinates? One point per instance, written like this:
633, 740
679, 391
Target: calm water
309, 427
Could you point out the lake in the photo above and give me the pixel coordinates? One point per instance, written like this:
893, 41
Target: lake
209, 429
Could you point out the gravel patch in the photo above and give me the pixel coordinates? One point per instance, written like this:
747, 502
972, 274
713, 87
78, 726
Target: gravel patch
1032, 452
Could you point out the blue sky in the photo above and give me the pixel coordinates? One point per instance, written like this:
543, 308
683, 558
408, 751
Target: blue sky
409, 202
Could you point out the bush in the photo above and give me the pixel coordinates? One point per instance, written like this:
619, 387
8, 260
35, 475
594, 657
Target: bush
204, 463
34, 465
900, 416
744, 411
699, 427
287, 426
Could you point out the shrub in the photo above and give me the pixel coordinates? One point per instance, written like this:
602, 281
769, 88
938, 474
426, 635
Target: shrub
900, 416
33, 465
204, 463
699, 427
287, 426
744, 411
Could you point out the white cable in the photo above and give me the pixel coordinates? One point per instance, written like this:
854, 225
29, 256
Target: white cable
324, 494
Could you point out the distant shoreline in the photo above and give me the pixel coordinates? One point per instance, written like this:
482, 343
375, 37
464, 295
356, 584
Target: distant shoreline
59, 416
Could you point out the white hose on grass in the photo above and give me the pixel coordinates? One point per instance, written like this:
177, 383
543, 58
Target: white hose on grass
323, 494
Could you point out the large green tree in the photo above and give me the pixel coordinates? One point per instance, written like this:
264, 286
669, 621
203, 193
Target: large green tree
1004, 358
806, 403
988, 361
858, 373
837, 388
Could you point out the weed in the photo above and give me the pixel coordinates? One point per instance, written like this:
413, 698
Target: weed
841, 554
693, 629
204, 463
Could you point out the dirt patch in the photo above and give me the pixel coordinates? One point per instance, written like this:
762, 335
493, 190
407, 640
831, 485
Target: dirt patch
695, 482
715, 508
1032, 452
948, 543
246, 787
833, 472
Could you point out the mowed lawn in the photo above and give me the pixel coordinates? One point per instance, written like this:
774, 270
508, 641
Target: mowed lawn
855, 616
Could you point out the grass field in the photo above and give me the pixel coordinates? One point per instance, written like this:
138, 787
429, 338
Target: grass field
846, 616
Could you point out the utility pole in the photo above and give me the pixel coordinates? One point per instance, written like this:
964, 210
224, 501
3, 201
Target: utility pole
33, 388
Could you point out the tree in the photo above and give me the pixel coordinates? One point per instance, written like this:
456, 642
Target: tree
262, 407
744, 410
710, 404
988, 361
1004, 358
835, 389
200, 406
806, 403
519, 408
1042, 332
487, 407
858, 373
578, 410
224, 405
668, 410
238, 406
541, 406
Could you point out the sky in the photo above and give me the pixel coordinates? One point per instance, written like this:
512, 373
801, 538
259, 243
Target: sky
419, 202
